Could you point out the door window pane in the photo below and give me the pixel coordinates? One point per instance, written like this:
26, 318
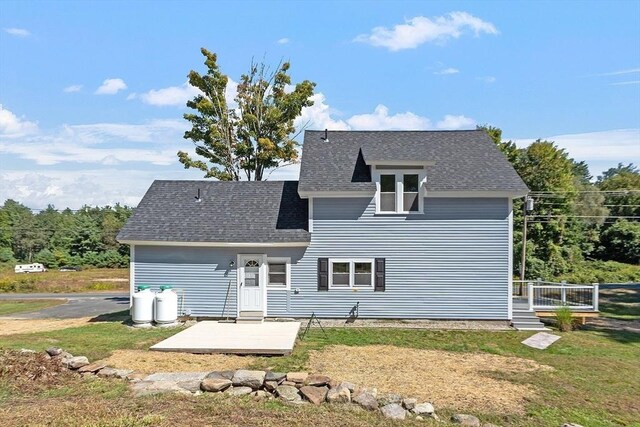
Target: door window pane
340, 274
251, 273
362, 274
387, 193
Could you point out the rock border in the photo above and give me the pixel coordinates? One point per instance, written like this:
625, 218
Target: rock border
291, 387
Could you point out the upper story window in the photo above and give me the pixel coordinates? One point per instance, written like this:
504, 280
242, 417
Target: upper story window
399, 190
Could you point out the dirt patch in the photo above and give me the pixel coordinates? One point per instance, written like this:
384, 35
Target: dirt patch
158, 361
31, 372
26, 326
106, 279
462, 381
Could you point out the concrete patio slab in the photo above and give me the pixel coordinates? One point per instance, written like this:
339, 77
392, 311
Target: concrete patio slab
273, 338
541, 340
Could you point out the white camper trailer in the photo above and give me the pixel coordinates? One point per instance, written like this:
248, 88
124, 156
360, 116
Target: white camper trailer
29, 268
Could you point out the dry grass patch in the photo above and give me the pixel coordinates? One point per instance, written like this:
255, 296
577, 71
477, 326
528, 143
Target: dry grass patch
158, 361
25, 326
462, 381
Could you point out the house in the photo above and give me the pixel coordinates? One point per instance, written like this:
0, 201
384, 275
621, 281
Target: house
381, 224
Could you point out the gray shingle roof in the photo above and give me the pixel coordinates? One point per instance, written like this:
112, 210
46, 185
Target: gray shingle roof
230, 212
464, 160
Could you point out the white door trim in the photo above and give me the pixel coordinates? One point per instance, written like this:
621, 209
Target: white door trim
262, 280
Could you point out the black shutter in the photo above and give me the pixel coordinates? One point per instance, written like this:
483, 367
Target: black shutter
323, 274
380, 273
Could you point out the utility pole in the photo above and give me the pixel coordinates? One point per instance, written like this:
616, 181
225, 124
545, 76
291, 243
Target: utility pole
527, 206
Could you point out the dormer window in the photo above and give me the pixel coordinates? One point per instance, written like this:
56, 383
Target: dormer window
399, 189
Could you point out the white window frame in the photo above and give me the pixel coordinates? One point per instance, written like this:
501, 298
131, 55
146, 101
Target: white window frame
399, 176
352, 272
280, 260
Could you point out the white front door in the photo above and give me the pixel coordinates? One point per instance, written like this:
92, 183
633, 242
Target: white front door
251, 282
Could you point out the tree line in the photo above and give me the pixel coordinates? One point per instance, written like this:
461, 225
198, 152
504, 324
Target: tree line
575, 218
56, 238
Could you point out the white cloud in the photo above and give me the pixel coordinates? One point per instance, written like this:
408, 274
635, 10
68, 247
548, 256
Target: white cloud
621, 72
111, 87
451, 122
630, 82
487, 79
420, 30
601, 150
446, 71
283, 40
12, 126
173, 95
318, 116
18, 32
179, 95
73, 188
72, 88
381, 120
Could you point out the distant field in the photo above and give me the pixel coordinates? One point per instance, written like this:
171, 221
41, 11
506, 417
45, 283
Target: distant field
91, 280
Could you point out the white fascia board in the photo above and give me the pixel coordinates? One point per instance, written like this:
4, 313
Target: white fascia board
216, 244
501, 194
335, 194
400, 163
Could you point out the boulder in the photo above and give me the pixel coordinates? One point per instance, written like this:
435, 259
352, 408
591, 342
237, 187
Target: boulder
367, 400
297, 377
239, 391
246, 378
261, 395
395, 411
215, 384
340, 394
123, 374
270, 385
227, 375
389, 398
290, 383
423, 409
409, 403
192, 386
54, 351
465, 420
288, 393
315, 395
27, 351
107, 372
76, 362
146, 388
176, 376
317, 380
92, 367
275, 376
135, 376
571, 425
351, 386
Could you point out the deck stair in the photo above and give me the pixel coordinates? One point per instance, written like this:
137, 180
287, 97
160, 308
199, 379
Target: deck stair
526, 320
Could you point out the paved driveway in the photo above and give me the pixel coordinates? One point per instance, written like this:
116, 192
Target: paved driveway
77, 305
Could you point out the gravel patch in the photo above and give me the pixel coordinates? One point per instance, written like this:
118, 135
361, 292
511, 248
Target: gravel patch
444, 325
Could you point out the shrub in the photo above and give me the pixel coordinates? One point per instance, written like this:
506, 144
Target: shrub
564, 319
6, 255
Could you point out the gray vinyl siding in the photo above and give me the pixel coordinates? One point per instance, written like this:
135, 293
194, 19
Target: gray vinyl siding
452, 262
202, 274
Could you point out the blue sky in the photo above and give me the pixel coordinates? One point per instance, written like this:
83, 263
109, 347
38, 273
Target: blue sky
93, 93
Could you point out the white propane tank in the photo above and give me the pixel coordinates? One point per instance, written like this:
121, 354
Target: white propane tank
166, 306
142, 306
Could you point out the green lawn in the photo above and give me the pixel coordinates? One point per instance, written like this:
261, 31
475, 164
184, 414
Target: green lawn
8, 307
595, 382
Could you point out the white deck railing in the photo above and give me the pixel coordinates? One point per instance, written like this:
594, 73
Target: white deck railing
541, 295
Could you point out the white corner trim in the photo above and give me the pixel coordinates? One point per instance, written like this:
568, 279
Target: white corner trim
216, 244
310, 214
132, 273
510, 263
